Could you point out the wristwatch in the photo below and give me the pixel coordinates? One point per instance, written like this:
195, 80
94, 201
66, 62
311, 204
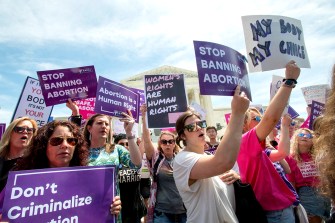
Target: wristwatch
289, 83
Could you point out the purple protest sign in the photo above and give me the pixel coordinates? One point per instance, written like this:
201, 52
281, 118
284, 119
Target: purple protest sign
220, 69
2, 129
113, 98
60, 85
142, 97
317, 109
293, 114
74, 194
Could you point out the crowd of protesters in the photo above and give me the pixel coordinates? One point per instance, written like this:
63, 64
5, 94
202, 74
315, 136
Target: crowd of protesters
189, 175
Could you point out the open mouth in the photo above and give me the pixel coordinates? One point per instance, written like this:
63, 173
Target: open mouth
24, 138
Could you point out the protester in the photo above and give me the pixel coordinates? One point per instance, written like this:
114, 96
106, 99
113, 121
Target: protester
325, 147
207, 198
305, 177
213, 144
165, 204
97, 134
13, 145
255, 166
129, 182
59, 144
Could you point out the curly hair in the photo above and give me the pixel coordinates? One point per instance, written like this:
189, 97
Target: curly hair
295, 147
6, 137
37, 157
325, 144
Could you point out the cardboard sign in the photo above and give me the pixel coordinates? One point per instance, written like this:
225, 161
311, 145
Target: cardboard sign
31, 103
73, 194
2, 129
317, 109
220, 69
272, 41
315, 93
86, 107
60, 85
114, 98
166, 99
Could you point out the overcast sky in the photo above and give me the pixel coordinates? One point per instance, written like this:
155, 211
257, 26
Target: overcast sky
124, 38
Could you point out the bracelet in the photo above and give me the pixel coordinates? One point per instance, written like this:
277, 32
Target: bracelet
293, 80
131, 137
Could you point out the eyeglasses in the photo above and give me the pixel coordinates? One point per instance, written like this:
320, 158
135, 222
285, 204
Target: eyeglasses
56, 141
170, 141
193, 127
19, 129
257, 118
307, 135
123, 144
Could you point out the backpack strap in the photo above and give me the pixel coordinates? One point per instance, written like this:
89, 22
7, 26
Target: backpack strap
160, 157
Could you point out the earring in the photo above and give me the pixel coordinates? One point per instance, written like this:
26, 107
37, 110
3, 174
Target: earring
90, 136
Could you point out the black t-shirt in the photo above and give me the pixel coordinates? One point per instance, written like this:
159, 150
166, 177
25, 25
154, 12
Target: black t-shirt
133, 208
5, 167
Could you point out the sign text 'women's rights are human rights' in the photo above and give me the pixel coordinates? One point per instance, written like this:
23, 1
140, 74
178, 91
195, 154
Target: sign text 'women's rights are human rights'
220, 69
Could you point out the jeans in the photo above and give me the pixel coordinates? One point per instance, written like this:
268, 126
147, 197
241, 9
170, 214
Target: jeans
282, 216
161, 217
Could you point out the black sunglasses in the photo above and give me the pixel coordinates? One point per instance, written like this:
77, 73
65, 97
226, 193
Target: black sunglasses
19, 129
123, 144
170, 141
56, 141
193, 127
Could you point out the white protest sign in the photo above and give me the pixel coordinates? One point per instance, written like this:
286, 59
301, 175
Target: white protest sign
315, 93
31, 103
118, 127
272, 41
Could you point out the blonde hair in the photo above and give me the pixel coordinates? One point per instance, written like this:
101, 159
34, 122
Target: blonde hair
5, 140
295, 146
176, 147
325, 145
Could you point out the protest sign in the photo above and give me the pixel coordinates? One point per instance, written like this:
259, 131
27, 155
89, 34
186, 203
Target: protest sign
118, 127
114, 98
220, 69
73, 194
315, 93
201, 111
31, 103
2, 129
142, 97
166, 99
60, 85
86, 107
227, 117
306, 122
276, 83
317, 109
272, 41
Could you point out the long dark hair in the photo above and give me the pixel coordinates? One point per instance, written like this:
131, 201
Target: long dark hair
37, 158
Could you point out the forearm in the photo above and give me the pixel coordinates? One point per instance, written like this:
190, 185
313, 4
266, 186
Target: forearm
135, 154
146, 138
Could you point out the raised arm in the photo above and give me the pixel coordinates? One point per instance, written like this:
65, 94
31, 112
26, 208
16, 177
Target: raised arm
278, 103
146, 139
227, 151
284, 143
75, 115
135, 154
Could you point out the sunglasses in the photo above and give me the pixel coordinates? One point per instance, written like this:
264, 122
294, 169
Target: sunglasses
19, 129
165, 142
257, 118
56, 141
307, 135
123, 144
193, 127
292, 123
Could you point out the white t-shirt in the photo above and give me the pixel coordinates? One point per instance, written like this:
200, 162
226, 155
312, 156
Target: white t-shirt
206, 200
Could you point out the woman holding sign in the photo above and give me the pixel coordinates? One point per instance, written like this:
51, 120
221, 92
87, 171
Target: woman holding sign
58, 144
13, 145
165, 203
98, 133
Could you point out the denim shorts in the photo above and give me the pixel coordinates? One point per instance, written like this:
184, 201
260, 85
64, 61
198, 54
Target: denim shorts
313, 202
161, 217
286, 215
